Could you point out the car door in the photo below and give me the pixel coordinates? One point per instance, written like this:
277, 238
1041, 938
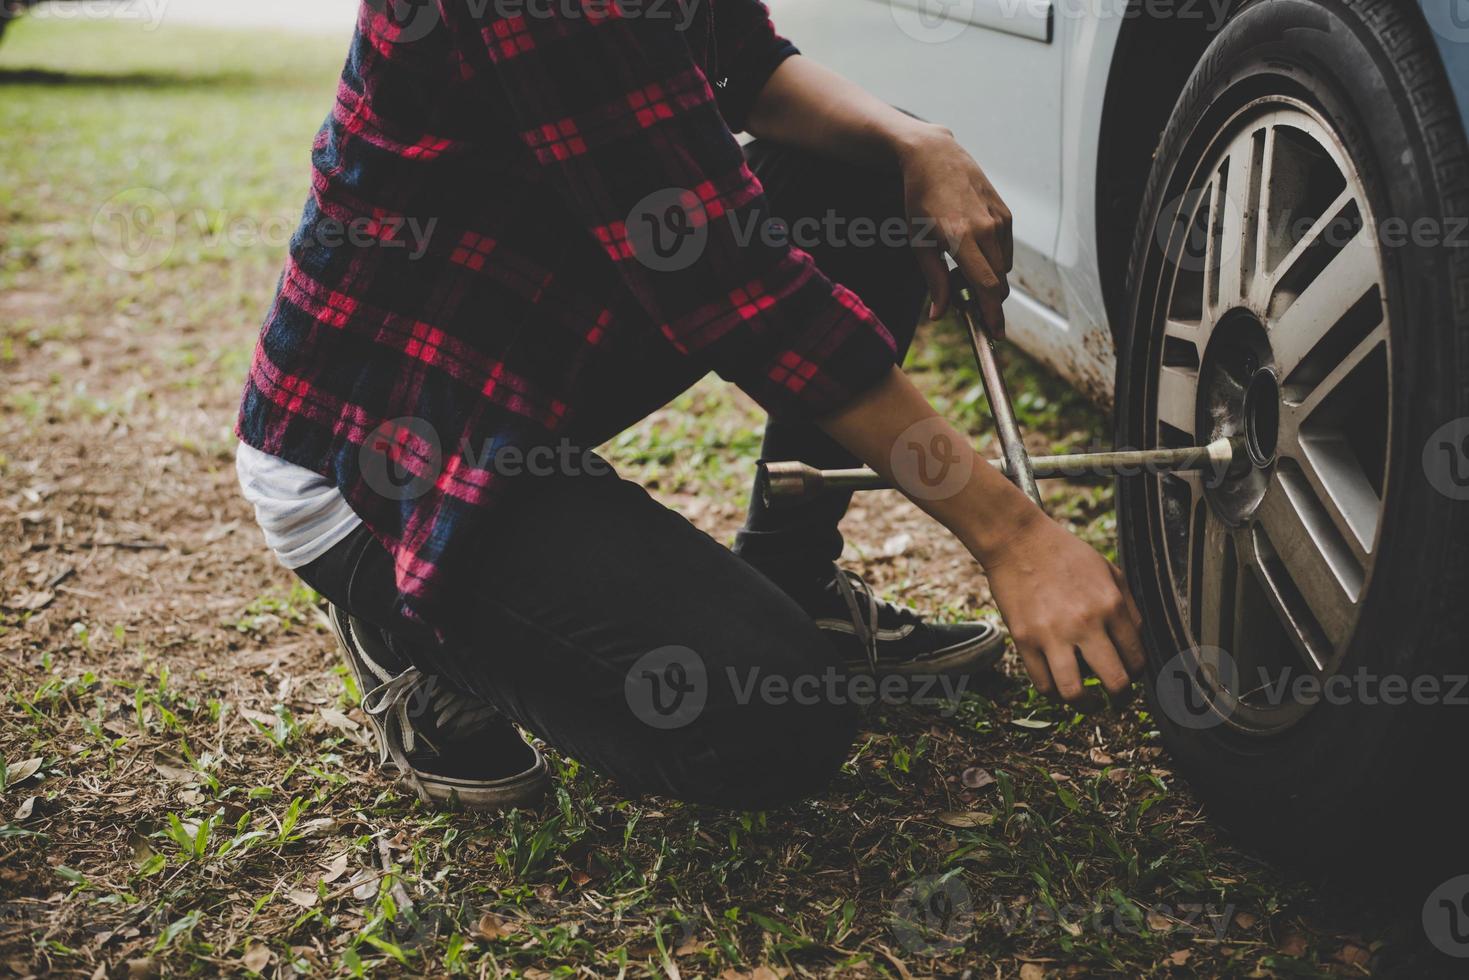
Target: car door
991, 71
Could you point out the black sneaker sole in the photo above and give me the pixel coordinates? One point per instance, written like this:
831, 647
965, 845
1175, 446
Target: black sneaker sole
522, 789
971, 656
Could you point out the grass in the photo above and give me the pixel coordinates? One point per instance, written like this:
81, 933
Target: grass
185, 786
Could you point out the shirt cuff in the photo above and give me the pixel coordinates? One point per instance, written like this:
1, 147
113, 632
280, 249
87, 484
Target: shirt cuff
833, 359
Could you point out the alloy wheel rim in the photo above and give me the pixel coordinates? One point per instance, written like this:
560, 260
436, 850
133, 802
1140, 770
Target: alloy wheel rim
1274, 330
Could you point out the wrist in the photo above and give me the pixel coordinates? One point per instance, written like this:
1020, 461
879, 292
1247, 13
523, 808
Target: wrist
917, 138
1006, 520
914, 138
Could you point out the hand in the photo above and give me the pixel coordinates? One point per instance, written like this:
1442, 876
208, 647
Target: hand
1059, 599
947, 192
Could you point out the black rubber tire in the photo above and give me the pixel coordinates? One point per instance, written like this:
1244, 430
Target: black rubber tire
1350, 785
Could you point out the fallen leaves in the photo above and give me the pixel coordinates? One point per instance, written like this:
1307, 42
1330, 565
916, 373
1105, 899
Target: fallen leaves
19, 773
493, 927
976, 778
966, 818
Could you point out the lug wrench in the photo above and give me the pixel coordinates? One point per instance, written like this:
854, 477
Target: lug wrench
790, 481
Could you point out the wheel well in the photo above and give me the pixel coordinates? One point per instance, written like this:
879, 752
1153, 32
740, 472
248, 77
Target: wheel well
1150, 66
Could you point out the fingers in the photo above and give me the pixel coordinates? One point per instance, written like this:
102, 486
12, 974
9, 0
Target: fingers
1101, 656
1066, 672
989, 287
1038, 670
935, 272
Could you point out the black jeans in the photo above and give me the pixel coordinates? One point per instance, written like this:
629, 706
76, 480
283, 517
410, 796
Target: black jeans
631, 641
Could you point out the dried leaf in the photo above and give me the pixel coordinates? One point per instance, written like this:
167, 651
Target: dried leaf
1099, 757
967, 818
1245, 920
366, 885
897, 545
142, 968
492, 927
1180, 957
335, 869
1353, 955
579, 878
976, 778
305, 899
1158, 922
1032, 971
23, 812
23, 771
256, 958
1030, 723
1294, 945
336, 719
31, 601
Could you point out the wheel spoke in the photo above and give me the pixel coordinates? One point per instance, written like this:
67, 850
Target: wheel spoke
1178, 390
1325, 300
1217, 603
1313, 586
1303, 399
1328, 217
1233, 249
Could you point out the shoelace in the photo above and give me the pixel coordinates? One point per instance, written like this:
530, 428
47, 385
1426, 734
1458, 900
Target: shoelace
409, 695
850, 586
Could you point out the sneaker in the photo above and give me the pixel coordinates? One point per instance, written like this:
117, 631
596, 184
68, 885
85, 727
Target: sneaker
449, 746
881, 638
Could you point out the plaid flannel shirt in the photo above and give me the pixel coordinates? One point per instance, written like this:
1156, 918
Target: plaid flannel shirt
465, 278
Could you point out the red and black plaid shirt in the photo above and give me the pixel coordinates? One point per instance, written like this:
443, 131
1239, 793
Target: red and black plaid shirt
524, 138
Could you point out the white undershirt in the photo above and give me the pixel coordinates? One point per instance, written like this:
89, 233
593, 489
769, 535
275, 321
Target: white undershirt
301, 512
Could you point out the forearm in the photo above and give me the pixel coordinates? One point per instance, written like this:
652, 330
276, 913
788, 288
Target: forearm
808, 105
974, 500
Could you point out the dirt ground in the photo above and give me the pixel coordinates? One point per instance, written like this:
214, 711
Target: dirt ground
186, 786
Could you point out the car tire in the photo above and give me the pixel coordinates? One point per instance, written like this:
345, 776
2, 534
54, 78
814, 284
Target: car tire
1307, 127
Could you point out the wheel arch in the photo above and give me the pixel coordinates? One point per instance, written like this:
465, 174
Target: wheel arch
1151, 63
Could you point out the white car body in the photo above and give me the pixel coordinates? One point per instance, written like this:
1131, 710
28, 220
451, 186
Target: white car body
1022, 85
